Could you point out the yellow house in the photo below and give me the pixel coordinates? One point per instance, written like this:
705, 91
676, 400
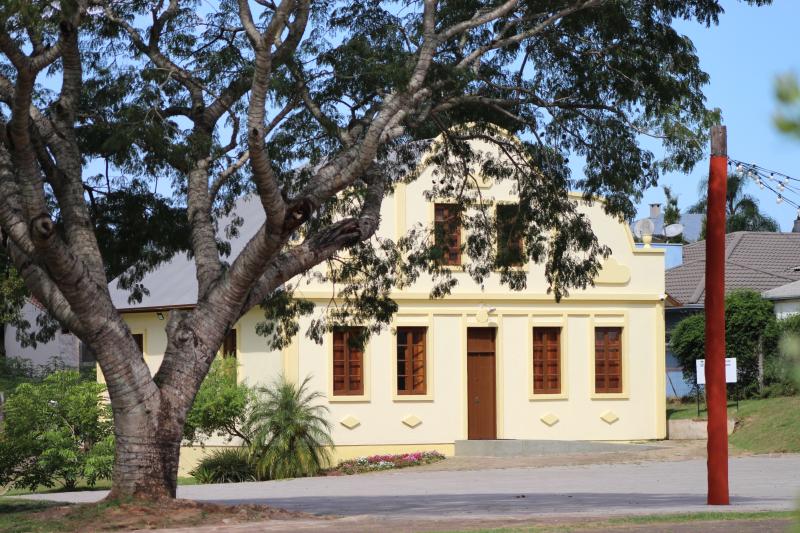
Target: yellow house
483, 363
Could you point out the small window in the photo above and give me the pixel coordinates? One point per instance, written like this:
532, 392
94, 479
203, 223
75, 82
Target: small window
229, 344
607, 360
348, 363
87, 357
546, 360
411, 360
447, 233
138, 338
509, 236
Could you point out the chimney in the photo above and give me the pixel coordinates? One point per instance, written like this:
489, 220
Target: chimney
796, 227
655, 210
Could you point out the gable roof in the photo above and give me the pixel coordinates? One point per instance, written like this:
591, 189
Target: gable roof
753, 260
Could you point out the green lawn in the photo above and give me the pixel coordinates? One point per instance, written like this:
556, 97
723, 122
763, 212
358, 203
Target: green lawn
771, 425
16, 516
659, 519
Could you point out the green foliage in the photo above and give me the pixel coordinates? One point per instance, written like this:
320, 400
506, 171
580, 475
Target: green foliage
130, 248
220, 406
290, 433
742, 210
228, 465
672, 214
587, 86
787, 90
13, 296
688, 343
58, 430
750, 326
785, 370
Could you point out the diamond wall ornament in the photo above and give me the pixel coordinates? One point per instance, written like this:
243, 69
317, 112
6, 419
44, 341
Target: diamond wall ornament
350, 422
549, 419
412, 421
609, 417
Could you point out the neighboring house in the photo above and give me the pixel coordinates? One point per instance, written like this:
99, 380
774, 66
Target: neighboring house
485, 362
786, 299
753, 260
63, 346
692, 224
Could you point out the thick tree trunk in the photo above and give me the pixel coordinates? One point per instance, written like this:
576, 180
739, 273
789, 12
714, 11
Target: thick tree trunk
148, 443
149, 431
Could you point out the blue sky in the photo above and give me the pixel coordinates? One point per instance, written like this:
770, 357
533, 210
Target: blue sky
743, 55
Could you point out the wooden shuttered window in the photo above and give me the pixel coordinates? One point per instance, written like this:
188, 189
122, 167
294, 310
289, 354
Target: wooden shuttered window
229, 344
546, 360
447, 233
509, 236
411, 360
607, 360
348, 363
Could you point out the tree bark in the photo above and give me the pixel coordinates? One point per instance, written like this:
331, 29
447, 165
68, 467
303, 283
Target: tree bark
147, 453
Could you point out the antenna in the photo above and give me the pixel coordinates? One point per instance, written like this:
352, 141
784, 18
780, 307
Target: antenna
643, 227
673, 230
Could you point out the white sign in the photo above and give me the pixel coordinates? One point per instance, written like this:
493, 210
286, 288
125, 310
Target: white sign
730, 371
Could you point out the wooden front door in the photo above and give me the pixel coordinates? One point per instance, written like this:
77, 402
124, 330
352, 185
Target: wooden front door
481, 393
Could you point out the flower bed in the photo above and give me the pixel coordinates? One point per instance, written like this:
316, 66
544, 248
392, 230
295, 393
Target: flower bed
385, 462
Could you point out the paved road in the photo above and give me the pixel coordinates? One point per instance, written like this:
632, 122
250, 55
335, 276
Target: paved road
757, 483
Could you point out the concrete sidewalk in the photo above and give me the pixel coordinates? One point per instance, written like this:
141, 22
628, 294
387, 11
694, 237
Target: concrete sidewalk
757, 483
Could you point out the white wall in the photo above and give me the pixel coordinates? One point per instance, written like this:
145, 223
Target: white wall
63, 345
784, 308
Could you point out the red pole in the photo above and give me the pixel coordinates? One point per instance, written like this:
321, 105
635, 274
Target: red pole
716, 393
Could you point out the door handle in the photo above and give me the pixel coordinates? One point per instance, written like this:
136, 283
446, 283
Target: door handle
477, 399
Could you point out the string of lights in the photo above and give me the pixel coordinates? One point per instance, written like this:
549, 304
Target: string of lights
785, 187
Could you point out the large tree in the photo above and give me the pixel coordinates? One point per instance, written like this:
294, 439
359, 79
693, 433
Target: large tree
318, 110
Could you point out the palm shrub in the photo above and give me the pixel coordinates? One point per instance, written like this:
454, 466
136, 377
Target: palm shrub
228, 465
290, 434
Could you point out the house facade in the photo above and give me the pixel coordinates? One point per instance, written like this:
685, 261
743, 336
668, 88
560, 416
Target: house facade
765, 262
485, 362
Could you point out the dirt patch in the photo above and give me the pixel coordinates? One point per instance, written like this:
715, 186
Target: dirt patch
161, 515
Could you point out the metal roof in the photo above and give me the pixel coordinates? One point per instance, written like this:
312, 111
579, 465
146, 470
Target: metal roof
174, 283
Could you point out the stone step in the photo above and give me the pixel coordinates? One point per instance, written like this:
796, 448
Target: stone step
521, 448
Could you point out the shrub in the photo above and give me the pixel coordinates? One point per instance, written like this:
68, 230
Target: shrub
290, 434
230, 465
221, 405
59, 430
750, 327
